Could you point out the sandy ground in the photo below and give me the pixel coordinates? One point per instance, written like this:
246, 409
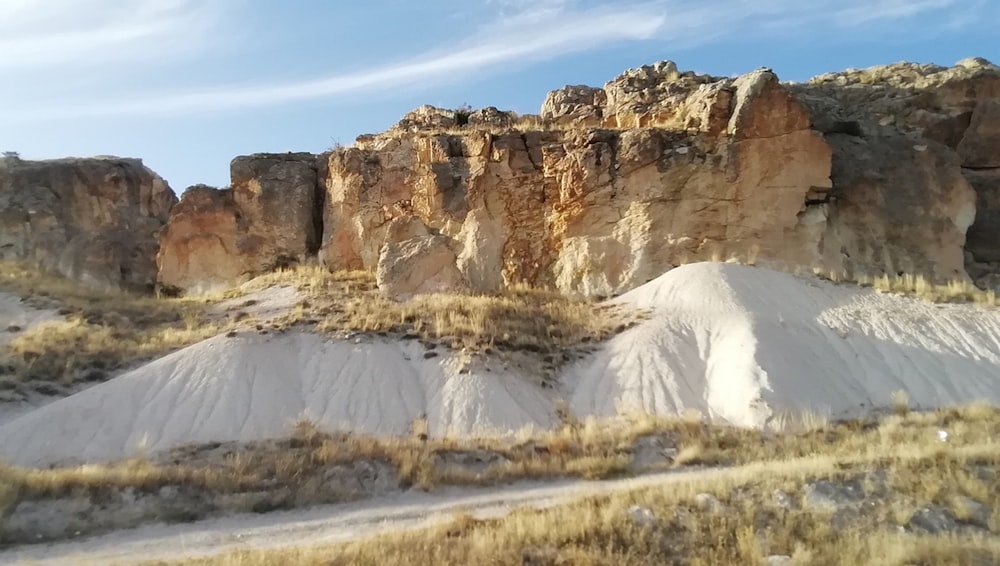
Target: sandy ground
737, 344
13, 312
321, 525
261, 304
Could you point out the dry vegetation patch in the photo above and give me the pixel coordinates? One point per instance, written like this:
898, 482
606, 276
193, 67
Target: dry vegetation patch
106, 331
102, 331
520, 318
297, 471
865, 493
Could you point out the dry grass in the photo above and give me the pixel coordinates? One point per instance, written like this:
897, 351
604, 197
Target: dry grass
519, 318
591, 450
106, 331
102, 330
753, 523
910, 285
919, 286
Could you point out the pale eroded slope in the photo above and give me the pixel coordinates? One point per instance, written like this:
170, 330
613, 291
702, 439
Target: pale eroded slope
736, 343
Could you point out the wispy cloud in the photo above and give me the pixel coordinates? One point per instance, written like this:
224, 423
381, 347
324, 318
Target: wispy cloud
520, 32
35, 35
531, 35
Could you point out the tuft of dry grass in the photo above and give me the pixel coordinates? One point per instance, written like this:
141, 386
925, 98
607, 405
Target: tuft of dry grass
900, 403
918, 286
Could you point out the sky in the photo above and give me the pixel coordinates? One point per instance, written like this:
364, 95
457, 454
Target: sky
189, 84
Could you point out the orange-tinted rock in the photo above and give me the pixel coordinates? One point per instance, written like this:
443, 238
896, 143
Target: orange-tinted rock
267, 219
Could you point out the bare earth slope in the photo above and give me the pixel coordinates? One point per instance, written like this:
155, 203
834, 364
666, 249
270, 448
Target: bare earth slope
738, 344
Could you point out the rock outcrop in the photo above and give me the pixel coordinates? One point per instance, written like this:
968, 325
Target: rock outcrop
93, 220
265, 220
884, 170
414, 260
952, 116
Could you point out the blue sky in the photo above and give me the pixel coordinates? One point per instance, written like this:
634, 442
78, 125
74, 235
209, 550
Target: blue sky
189, 84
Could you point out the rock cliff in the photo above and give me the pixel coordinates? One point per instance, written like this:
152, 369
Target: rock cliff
266, 219
94, 220
886, 170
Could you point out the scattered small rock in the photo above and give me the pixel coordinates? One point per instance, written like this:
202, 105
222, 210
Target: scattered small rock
473, 462
782, 500
652, 451
430, 354
778, 560
48, 389
933, 520
14, 328
642, 516
362, 478
973, 512
539, 556
833, 495
93, 376
708, 502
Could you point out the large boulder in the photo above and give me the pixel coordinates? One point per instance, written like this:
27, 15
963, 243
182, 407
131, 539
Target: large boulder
844, 174
414, 260
93, 220
591, 211
578, 104
267, 219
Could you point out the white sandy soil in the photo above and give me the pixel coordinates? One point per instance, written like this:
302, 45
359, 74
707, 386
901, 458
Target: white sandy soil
736, 343
14, 313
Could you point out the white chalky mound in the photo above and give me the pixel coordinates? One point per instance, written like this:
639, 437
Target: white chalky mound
735, 343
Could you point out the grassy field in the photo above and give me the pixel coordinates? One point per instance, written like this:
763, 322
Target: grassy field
754, 511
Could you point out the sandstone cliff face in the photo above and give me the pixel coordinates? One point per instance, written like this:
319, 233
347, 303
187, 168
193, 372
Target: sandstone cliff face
953, 112
93, 220
665, 167
863, 172
267, 219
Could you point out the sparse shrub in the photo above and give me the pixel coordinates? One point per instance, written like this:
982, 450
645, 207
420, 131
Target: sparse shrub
462, 114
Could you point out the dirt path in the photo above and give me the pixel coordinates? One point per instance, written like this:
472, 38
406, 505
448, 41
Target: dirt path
320, 525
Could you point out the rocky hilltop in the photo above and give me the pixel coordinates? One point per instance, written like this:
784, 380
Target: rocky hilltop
887, 170
893, 169
95, 220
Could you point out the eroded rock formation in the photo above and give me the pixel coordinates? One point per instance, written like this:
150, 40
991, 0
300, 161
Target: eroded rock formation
951, 115
862, 172
266, 219
94, 220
